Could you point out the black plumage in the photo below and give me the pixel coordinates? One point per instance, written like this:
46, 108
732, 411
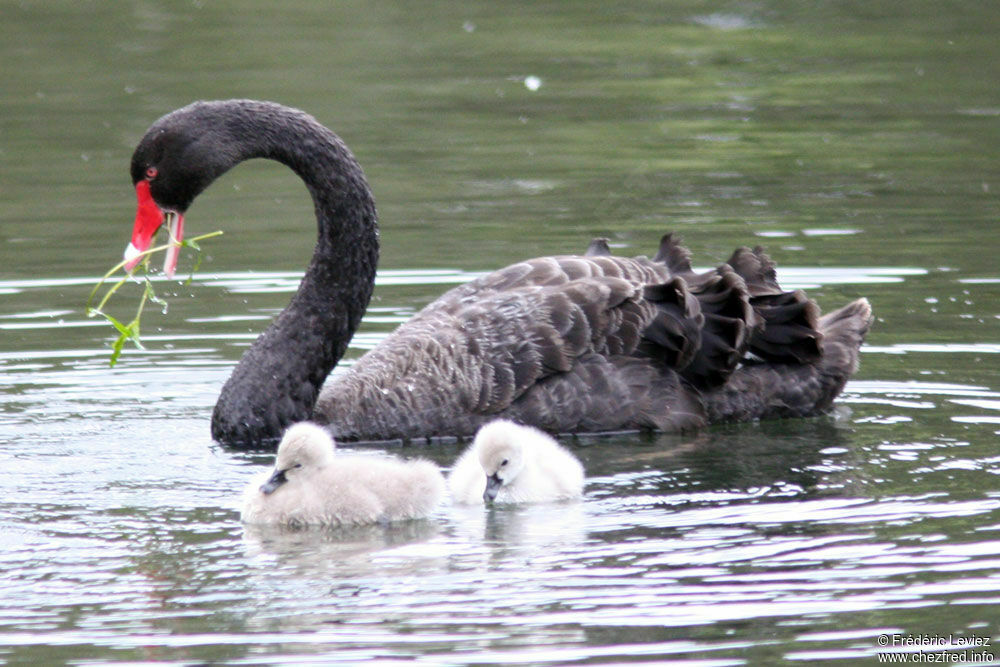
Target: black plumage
572, 343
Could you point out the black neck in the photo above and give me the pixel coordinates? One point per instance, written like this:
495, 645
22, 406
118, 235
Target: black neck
278, 379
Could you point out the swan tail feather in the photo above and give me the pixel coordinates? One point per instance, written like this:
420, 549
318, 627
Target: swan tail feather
844, 331
673, 336
598, 248
778, 390
787, 329
757, 270
675, 256
792, 332
725, 336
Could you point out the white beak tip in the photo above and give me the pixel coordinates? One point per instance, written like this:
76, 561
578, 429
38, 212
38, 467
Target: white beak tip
131, 257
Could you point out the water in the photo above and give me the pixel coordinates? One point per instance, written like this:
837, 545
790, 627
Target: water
857, 142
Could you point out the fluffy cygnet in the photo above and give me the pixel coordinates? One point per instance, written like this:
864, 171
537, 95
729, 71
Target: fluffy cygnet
510, 463
311, 485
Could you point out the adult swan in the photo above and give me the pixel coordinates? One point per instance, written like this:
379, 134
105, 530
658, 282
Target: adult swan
570, 343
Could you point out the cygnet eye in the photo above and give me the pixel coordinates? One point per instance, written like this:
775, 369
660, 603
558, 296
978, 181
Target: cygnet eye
503, 463
297, 465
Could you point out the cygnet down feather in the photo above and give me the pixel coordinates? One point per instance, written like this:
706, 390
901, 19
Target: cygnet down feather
511, 463
311, 485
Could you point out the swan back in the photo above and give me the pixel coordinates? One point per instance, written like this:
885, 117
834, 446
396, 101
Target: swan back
512, 463
310, 485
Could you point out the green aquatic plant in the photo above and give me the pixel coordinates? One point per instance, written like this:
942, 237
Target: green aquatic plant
130, 331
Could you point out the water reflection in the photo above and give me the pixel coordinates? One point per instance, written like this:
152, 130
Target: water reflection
336, 553
499, 532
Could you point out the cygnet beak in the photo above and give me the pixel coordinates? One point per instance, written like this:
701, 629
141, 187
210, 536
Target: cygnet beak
272, 484
493, 485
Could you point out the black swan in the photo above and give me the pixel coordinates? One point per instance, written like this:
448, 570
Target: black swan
574, 343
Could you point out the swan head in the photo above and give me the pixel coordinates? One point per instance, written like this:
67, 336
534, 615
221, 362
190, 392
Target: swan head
501, 453
179, 156
305, 447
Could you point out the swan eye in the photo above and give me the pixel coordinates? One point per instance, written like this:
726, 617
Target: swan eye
503, 463
151, 173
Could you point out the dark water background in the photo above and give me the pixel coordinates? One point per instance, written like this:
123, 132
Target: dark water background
857, 141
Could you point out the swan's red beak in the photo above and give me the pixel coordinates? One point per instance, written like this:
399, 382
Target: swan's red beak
148, 219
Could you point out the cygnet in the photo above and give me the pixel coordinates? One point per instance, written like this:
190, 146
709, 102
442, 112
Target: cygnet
511, 463
311, 485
